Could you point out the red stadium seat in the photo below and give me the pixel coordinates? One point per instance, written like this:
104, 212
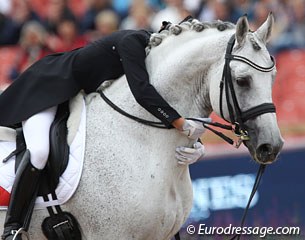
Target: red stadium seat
289, 90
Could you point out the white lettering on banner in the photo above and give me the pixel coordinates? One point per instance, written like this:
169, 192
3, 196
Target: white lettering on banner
219, 193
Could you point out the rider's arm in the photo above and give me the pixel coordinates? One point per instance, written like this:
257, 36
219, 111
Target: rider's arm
132, 53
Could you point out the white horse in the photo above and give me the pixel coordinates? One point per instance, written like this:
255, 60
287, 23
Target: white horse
132, 186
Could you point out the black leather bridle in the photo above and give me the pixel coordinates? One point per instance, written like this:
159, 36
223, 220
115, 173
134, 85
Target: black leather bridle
237, 116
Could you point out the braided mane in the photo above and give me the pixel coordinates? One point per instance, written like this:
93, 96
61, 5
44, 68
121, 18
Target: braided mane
175, 29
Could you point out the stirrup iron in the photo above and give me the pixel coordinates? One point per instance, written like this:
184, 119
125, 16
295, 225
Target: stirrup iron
20, 231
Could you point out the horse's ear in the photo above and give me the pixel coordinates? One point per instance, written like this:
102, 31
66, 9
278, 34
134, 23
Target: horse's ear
264, 31
242, 28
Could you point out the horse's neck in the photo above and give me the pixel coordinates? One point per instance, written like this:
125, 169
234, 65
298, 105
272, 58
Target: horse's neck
180, 69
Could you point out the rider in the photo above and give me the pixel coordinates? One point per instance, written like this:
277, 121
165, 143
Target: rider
32, 99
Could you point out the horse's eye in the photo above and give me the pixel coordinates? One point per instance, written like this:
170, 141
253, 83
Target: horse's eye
243, 81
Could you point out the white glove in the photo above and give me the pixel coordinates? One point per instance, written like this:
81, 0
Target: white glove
193, 129
186, 155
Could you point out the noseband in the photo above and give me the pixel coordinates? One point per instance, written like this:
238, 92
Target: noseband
237, 116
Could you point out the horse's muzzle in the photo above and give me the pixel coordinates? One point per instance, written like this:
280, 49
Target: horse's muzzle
267, 153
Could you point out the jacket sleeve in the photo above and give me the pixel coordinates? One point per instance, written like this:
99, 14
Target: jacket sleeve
132, 53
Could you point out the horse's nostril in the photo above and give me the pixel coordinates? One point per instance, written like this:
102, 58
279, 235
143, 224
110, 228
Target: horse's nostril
265, 153
265, 149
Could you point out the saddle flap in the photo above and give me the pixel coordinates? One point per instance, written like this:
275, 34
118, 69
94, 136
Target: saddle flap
71, 168
59, 151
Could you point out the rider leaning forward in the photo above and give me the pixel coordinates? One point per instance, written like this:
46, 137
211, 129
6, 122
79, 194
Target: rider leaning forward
32, 100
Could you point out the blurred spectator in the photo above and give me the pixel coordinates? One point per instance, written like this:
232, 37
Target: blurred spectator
2, 21
218, 9
67, 37
204, 11
192, 5
94, 7
57, 11
5, 6
106, 22
121, 7
243, 7
156, 5
173, 12
102, 17
139, 16
21, 13
32, 47
292, 28
261, 11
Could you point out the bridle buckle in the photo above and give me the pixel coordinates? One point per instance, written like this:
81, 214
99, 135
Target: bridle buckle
244, 136
241, 138
241, 134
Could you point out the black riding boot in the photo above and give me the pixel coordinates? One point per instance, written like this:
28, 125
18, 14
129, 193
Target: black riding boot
22, 199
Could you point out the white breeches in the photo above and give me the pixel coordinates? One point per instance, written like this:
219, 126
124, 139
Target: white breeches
36, 130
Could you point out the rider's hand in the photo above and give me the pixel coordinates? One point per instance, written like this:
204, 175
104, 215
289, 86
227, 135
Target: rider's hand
188, 156
194, 129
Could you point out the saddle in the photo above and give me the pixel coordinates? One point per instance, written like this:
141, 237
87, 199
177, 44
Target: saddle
59, 151
59, 225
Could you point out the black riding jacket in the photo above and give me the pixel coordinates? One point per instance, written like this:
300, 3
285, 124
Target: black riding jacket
58, 77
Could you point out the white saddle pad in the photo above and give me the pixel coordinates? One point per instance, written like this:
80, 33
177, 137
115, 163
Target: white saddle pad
71, 176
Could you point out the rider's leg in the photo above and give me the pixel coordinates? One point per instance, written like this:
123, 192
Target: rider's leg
36, 132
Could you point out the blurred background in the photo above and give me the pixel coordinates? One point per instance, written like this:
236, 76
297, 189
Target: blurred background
31, 29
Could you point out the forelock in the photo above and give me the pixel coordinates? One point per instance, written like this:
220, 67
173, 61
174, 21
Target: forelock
254, 43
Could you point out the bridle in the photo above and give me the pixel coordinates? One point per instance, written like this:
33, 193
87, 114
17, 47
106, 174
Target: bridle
237, 116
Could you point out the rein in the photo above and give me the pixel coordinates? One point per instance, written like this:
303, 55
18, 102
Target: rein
126, 114
254, 189
237, 116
